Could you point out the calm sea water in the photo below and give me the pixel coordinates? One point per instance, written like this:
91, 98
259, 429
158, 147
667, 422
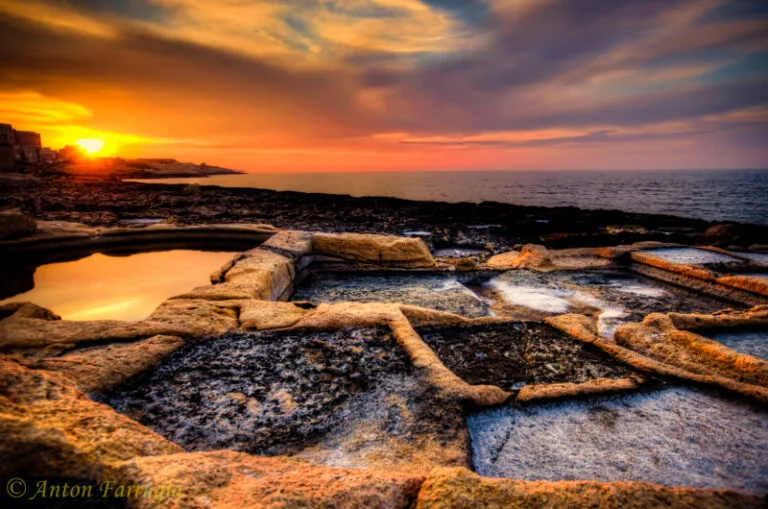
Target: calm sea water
724, 195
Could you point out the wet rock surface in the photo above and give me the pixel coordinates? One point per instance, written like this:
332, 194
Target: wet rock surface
752, 341
446, 224
263, 393
673, 436
615, 296
510, 356
436, 291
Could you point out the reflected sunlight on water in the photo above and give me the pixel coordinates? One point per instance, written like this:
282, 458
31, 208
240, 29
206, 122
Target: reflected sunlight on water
101, 287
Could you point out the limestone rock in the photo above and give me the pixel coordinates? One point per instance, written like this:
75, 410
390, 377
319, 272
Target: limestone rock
756, 316
14, 224
261, 314
503, 260
50, 429
384, 249
458, 488
290, 243
562, 390
264, 274
531, 256
658, 338
102, 368
27, 310
535, 257
177, 317
231, 479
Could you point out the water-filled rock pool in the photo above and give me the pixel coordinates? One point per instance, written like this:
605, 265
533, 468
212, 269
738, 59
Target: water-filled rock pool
675, 436
99, 286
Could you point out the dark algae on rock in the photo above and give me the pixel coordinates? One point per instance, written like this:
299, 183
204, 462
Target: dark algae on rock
265, 392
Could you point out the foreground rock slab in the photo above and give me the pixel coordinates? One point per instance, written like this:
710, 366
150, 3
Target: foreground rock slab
230, 479
458, 488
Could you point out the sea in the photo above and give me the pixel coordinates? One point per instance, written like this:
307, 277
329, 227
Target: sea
713, 195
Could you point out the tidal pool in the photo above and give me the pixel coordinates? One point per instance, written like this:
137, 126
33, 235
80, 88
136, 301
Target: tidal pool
752, 341
691, 256
443, 292
100, 287
615, 296
675, 436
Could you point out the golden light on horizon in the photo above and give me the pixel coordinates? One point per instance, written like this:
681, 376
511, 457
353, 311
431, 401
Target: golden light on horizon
91, 145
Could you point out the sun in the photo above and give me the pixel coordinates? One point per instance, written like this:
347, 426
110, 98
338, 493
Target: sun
91, 145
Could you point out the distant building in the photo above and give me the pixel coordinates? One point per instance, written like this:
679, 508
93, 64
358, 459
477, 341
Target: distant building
6, 135
7, 148
27, 139
23, 146
28, 145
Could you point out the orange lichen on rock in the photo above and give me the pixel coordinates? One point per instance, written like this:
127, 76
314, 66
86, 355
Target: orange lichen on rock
458, 488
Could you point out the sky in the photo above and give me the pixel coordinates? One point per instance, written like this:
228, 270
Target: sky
353, 85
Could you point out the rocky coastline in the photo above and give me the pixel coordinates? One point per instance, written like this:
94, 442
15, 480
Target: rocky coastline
494, 227
367, 352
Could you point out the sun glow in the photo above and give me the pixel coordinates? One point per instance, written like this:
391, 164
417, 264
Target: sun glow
91, 145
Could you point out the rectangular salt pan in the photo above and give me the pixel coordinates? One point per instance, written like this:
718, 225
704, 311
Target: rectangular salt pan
675, 437
691, 256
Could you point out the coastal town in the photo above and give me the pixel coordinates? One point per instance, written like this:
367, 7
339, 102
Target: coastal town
22, 155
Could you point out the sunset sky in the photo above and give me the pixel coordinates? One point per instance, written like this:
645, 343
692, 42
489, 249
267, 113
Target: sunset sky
325, 85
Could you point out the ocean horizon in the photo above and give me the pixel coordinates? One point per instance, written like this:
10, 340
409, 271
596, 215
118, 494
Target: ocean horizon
712, 195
